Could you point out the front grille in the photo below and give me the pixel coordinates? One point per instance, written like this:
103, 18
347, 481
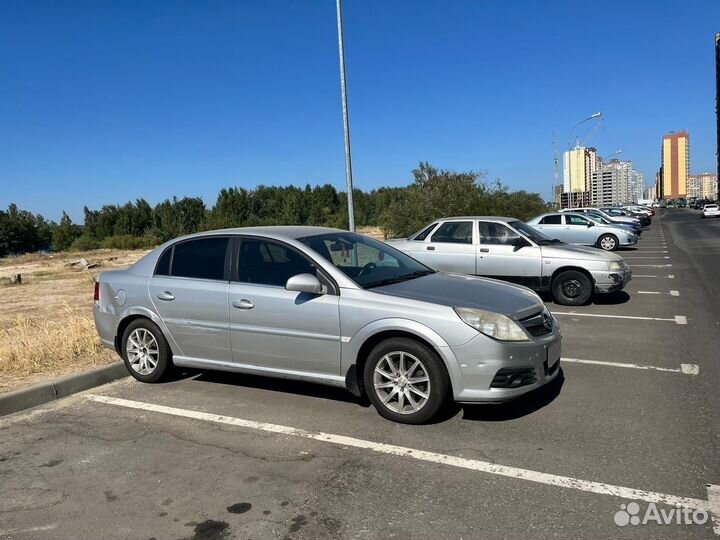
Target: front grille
538, 325
514, 378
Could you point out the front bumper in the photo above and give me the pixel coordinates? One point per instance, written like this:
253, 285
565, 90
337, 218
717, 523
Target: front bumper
629, 240
611, 281
482, 361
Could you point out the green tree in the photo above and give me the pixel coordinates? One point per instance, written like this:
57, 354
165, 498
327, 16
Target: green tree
65, 233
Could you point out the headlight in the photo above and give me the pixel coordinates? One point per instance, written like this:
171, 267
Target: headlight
492, 324
615, 265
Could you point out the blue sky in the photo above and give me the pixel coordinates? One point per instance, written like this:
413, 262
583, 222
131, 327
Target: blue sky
102, 102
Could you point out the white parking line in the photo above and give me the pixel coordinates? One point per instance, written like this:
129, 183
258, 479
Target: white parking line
678, 319
669, 276
653, 265
671, 293
635, 258
686, 369
431, 457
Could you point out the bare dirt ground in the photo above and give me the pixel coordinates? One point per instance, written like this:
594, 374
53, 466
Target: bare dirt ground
46, 325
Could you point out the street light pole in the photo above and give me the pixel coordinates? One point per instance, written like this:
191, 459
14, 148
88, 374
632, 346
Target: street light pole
591, 117
346, 120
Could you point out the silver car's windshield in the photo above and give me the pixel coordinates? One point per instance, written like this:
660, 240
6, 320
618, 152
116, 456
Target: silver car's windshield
366, 261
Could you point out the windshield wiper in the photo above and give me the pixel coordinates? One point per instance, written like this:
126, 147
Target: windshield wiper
399, 279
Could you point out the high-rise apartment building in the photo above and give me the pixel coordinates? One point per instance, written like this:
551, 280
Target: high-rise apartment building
579, 164
675, 165
617, 182
703, 186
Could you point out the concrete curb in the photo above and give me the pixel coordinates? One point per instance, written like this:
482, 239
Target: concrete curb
33, 396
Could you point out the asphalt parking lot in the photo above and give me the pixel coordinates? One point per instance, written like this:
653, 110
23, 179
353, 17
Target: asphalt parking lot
635, 418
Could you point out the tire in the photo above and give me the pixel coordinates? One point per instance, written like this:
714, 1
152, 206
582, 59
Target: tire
145, 334
572, 288
416, 409
608, 242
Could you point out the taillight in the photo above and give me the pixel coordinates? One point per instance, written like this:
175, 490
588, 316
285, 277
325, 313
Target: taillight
96, 294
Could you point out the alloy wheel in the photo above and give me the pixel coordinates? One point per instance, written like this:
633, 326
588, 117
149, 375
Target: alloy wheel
143, 351
401, 382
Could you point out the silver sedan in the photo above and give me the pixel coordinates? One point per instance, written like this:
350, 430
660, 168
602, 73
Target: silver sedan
577, 229
327, 306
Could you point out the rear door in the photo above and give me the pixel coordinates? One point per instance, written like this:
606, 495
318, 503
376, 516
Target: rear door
552, 226
190, 293
504, 254
452, 248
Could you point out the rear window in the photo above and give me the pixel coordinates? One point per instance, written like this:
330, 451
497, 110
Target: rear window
551, 220
423, 235
454, 232
203, 258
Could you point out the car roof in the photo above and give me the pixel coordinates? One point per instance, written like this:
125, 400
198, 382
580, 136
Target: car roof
484, 218
275, 231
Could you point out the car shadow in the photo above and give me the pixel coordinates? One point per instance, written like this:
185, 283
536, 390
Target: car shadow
611, 299
517, 408
286, 386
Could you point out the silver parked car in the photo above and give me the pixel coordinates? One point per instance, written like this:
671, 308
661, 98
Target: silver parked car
577, 229
508, 249
327, 306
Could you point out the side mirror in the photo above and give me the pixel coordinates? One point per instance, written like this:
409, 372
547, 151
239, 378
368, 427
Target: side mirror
306, 283
519, 242
590, 224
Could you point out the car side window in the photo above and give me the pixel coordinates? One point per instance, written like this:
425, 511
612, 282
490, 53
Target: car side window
162, 268
454, 232
575, 220
551, 220
264, 262
496, 234
424, 234
202, 258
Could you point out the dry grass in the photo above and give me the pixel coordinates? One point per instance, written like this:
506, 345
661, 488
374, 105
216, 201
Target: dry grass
46, 324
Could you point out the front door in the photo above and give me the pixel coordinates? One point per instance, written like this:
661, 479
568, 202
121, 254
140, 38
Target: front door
274, 328
451, 248
190, 293
579, 230
504, 254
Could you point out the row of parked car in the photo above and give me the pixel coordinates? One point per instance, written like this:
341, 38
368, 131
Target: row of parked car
340, 308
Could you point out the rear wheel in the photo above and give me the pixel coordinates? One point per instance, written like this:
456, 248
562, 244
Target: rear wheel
608, 242
572, 288
406, 381
145, 351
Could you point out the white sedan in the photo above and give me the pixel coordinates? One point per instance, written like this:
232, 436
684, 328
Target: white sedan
710, 210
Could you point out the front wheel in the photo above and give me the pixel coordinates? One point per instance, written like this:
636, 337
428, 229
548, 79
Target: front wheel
608, 242
406, 381
572, 288
145, 351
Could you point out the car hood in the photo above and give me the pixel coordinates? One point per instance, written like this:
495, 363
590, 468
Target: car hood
582, 253
458, 290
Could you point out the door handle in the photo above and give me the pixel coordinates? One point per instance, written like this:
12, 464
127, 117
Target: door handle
243, 304
167, 296
430, 248
484, 250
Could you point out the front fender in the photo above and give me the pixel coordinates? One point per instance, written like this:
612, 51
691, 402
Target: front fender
351, 345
